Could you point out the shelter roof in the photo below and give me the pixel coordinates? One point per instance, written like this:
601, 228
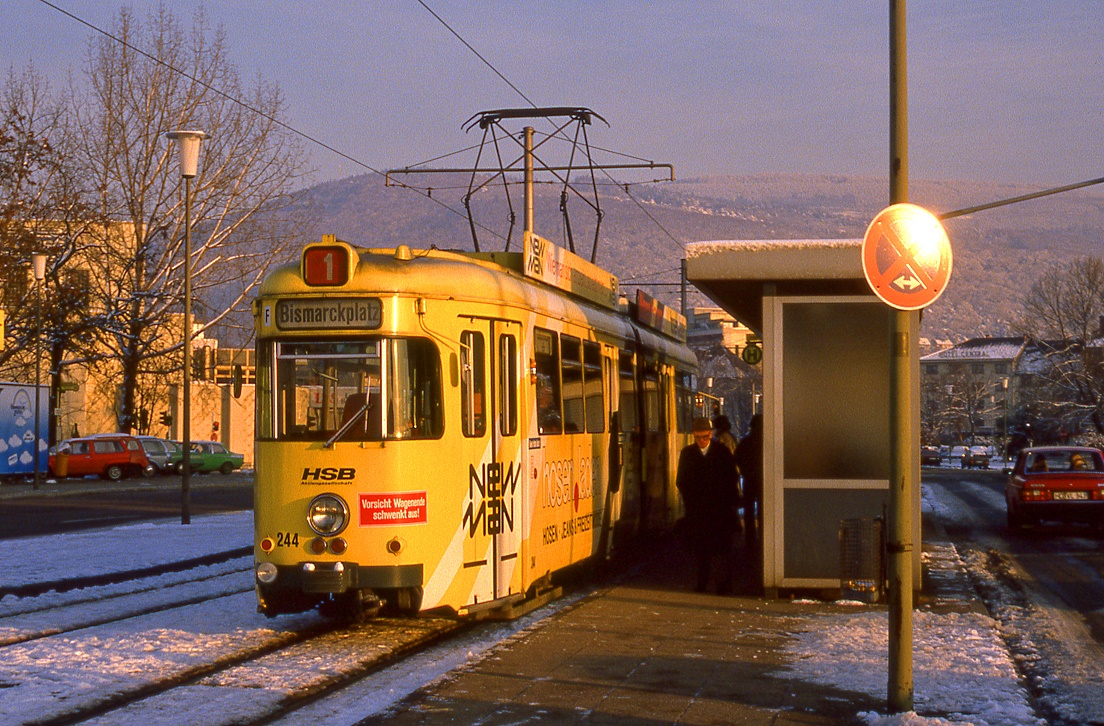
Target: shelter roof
734, 273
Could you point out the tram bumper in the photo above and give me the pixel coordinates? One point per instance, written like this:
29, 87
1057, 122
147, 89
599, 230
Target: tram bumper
338, 577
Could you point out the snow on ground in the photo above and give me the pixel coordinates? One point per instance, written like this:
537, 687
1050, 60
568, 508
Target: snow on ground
122, 548
960, 665
1052, 646
962, 669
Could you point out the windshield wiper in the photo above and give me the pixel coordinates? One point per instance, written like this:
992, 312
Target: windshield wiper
353, 420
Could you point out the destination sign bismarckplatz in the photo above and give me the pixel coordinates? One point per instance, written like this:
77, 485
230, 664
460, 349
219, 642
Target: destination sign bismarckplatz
329, 313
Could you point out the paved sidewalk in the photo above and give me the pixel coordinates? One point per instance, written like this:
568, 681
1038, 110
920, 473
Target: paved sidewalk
649, 650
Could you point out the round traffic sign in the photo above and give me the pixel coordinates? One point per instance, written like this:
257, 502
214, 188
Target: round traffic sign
906, 257
752, 354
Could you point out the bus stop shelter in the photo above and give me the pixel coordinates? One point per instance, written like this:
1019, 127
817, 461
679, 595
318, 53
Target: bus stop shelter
826, 396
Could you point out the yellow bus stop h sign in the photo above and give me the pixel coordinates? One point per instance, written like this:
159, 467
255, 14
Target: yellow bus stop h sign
906, 257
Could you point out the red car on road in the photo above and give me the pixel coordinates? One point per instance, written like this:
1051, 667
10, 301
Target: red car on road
111, 456
1056, 483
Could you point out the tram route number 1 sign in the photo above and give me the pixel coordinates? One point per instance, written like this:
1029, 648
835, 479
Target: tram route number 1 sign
906, 257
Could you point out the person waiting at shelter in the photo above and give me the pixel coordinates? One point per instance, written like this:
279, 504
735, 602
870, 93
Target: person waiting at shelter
722, 433
749, 459
709, 486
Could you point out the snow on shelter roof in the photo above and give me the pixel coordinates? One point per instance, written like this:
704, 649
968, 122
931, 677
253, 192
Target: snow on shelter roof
775, 259
735, 273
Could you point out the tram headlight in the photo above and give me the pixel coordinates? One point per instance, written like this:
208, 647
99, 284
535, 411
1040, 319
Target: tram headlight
327, 514
266, 573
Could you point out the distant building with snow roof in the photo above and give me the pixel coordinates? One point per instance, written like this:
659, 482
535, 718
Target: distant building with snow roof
989, 388
967, 390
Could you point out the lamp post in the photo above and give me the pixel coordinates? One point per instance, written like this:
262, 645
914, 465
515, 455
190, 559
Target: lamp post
38, 262
188, 143
1004, 438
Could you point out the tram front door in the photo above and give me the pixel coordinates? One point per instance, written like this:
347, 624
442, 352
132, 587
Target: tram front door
490, 385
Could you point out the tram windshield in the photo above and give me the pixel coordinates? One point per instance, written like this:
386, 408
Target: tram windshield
367, 390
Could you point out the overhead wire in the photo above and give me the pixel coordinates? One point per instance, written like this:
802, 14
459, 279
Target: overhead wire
528, 100
426, 192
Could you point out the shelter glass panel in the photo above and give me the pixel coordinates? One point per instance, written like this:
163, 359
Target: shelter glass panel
836, 421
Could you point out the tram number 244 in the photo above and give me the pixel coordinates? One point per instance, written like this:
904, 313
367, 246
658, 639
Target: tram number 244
287, 539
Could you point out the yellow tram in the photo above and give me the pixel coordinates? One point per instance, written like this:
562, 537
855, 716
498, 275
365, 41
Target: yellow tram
447, 430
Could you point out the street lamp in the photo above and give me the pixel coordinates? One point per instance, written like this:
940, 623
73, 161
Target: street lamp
1004, 451
38, 262
188, 147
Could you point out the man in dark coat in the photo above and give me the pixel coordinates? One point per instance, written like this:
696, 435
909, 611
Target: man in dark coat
709, 486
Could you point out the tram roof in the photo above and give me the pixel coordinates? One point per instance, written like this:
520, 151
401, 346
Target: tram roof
480, 277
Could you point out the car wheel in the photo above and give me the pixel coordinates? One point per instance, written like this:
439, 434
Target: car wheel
226, 468
150, 470
113, 472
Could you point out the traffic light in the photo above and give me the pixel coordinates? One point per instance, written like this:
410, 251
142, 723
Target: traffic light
166, 419
199, 364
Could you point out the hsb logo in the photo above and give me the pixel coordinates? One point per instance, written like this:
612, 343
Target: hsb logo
329, 473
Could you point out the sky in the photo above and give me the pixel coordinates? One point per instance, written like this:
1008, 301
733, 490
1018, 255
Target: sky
999, 90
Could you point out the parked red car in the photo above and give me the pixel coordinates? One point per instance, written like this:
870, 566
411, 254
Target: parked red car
112, 456
1056, 483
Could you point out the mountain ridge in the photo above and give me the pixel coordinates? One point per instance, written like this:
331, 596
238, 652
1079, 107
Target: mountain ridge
997, 253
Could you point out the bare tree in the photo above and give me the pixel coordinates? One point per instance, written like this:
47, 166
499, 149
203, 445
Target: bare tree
967, 400
41, 210
1065, 306
241, 216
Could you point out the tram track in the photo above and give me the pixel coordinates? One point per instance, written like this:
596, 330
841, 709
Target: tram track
35, 589
354, 652
256, 671
73, 615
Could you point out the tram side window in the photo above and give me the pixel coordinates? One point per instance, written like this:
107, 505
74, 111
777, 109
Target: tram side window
574, 415
684, 401
473, 416
546, 354
507, 385
651, 398
592, 388
628, 392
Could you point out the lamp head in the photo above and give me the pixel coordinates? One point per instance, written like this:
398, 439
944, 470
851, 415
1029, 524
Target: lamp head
38, 262
188, 146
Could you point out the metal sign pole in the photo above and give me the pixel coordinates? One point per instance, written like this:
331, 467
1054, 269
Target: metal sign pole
900, 686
